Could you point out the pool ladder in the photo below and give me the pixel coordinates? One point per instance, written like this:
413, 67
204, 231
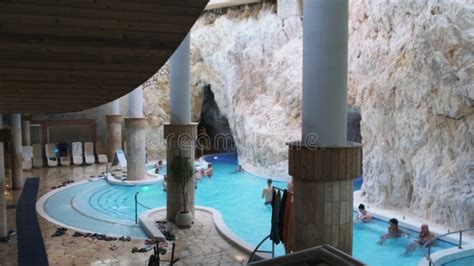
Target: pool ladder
428, 256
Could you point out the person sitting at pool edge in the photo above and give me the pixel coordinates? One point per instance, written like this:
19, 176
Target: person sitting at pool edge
158, 166
267, 192
203, 172
210, 171
393, 231
425, 237
164, 183
197, 175
363, 215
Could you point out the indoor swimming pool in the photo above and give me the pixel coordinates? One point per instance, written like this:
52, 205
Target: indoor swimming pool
100, 207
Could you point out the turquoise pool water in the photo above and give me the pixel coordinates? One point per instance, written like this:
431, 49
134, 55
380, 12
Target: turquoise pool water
467, 261
100, 207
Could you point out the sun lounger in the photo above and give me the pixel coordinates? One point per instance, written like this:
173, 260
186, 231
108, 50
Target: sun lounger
27, 157
77, 154
37, 155
100, 152
51, 154
89, 152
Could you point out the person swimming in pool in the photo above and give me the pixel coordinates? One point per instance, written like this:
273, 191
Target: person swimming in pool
425, 237
210, 170
363, 215
239, 169
393, 231
267, 192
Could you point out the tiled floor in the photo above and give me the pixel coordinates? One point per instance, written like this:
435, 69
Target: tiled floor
200, 245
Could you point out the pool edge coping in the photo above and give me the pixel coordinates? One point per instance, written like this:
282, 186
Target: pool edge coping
219, 223
448, 255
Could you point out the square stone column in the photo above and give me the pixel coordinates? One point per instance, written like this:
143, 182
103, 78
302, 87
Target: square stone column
136, 153
114, 134
323, 196
180, 140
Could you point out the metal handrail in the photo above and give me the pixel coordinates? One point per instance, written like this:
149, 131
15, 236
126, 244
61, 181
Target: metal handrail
428, 244
136, 208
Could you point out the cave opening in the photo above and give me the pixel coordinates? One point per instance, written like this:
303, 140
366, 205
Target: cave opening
214, 134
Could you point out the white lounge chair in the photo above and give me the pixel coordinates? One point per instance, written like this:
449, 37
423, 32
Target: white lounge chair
37, 155
51, 154
89, 152
77, 154
27, 157
100, 152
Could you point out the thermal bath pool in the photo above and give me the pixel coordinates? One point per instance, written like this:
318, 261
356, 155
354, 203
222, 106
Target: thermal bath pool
97, 206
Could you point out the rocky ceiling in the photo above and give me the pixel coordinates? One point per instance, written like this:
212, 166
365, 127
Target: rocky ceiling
69, 55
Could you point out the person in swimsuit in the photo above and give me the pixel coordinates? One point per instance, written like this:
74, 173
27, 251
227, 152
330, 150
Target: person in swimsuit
210, 170
267, 192
425, 237
393, 231
158, 167
363, 215
197, 175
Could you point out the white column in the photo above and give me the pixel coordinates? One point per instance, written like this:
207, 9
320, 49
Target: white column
180, 84
135, 103
325, 36
17, 170
136, 136
114, 107
3, 203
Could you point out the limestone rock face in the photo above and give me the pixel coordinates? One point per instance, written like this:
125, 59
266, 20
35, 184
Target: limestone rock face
253, 60
411, 72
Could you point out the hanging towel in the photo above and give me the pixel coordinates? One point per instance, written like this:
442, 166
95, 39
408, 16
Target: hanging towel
287, 223
274, 235
281, 215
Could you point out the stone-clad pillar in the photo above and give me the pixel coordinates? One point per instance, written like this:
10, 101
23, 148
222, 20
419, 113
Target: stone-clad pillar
17, 169
180, 141
136, 140
3, 203
323, 196
180, 134
114, 134
114, 128
324, 164
136, 136
25, 130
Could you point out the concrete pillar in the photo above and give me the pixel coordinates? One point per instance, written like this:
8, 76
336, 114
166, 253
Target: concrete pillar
180, 134
3, 203
114, 128
25, 130
114, 107
180, 141
114, 134
135, 103
324, 164
136, 136
17, 170
136, 140
180, 84
325, 35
